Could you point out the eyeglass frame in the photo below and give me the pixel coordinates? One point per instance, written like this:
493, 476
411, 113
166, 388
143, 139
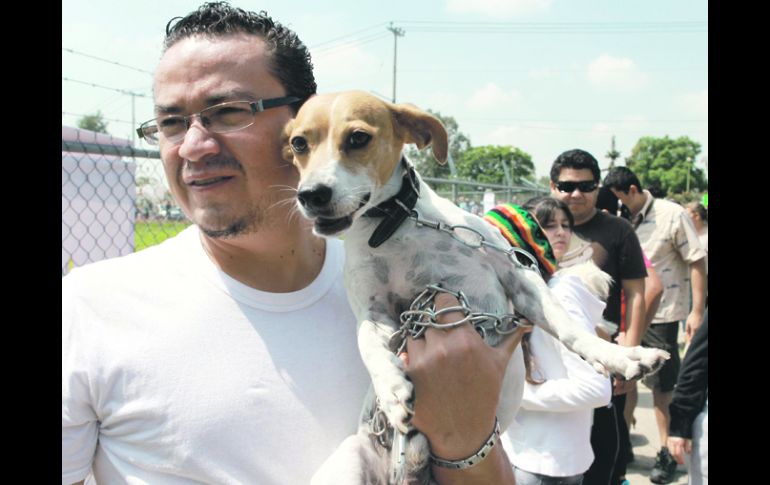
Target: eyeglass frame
256, 107
577, 185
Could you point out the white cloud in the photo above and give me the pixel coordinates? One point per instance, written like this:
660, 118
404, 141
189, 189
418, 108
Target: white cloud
696, 104
618, 73
492, 97
497, 8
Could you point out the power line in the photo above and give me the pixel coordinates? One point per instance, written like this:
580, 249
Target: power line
494, 120
352, 43
535, 70
140, 95
557, 27
106, 60
347, 35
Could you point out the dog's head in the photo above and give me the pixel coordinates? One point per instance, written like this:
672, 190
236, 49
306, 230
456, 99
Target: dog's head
346, 146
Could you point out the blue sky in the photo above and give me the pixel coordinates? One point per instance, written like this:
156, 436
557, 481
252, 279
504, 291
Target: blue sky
541, 75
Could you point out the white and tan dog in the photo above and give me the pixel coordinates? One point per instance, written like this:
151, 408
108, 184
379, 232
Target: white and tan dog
348, 149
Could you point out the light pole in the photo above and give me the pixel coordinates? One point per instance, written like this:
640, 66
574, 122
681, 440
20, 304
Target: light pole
397, 32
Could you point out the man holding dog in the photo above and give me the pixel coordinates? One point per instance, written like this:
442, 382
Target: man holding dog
228, 353
611, 243
670, 240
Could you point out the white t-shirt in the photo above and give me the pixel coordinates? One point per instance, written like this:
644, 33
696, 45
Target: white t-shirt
175, 373
551, 434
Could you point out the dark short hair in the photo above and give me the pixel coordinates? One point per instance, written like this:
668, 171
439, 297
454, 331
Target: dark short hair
543, 208
622, 178
608, 201
290, 61
576, 159
699, 209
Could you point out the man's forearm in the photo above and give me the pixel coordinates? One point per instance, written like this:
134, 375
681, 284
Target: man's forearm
698, 283
635, 315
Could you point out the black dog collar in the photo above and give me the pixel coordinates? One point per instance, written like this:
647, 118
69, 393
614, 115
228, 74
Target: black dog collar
396, 209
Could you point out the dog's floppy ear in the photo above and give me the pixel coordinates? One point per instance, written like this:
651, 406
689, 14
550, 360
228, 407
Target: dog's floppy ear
286, 151
416, 126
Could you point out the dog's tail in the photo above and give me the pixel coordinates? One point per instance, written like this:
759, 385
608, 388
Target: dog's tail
597, 281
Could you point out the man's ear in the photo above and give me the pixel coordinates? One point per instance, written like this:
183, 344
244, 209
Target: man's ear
633, 190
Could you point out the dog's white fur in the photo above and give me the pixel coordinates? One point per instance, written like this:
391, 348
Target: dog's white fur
351, 143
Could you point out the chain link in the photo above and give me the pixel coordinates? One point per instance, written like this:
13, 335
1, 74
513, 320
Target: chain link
422, 314
476, 240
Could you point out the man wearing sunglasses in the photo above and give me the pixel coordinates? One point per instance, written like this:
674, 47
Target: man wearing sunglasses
613, 246
228, 354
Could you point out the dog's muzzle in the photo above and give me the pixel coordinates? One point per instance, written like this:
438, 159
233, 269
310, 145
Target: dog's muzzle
316, 199
317, 204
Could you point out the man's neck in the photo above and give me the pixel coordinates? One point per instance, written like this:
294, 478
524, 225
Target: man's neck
271, 261
580, 222
638, 203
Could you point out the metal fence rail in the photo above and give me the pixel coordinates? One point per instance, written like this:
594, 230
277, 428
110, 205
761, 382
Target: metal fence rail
115, 200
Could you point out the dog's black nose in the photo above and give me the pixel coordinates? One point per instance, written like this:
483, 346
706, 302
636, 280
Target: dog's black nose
317, 197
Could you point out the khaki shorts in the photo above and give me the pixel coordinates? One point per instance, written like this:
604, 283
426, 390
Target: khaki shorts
663, 336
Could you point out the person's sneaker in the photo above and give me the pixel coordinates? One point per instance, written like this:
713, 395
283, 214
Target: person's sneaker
665, 466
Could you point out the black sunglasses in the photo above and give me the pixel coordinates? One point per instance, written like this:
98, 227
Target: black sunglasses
583, 186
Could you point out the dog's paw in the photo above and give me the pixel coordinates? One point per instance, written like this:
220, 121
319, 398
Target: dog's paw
641, 361
396, 402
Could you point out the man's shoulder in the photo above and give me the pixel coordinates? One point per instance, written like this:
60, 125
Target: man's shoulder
125, 270
667, 207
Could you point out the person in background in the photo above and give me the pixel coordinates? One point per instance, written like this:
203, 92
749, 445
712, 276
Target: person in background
608, 202
689, 409
669, 239
549, 442
700, 218
610, 242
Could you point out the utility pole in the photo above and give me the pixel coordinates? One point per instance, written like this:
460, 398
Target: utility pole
397, 32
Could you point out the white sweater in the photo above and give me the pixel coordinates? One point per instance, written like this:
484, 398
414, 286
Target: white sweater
551, 435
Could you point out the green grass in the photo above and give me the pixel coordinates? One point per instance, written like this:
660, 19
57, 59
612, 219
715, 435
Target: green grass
150, 233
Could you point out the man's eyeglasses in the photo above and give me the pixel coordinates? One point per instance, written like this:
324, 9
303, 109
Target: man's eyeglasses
220, 118
583, 186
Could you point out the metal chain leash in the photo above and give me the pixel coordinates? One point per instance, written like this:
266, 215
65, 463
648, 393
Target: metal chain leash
422, 314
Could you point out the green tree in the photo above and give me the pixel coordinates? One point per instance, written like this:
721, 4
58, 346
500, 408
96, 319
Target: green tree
667, 164
487, 164
423, 159
94, 122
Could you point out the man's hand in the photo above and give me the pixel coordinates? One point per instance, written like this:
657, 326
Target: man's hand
457, 379
678, 447
694, 320
622, 386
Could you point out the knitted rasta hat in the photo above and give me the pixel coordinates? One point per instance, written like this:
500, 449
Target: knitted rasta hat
521, 229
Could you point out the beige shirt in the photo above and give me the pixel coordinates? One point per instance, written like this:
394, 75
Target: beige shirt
670, 241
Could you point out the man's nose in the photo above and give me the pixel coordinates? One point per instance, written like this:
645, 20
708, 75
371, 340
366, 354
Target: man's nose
198, 142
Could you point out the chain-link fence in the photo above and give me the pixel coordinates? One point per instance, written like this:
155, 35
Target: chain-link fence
115, 200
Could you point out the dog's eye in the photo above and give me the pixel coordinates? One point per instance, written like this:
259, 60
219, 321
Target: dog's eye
359, 139
298, 144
